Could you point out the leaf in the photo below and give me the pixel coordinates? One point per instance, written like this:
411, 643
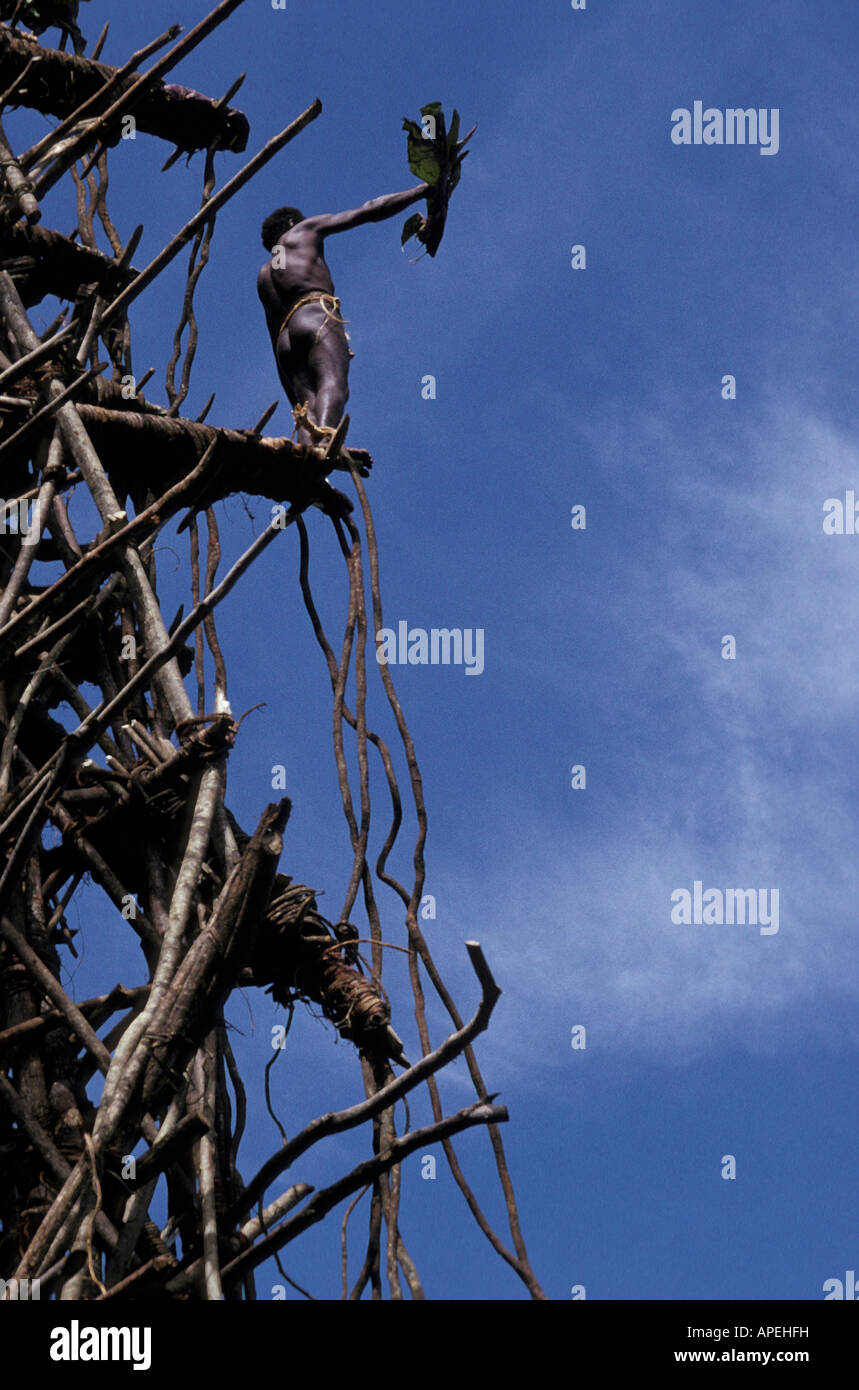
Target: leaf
424, 161
413, 227
423, 156
437, 163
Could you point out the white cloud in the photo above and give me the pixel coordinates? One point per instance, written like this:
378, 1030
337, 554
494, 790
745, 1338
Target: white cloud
746, 788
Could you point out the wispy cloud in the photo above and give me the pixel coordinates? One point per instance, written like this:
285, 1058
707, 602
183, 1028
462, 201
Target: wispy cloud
748, 785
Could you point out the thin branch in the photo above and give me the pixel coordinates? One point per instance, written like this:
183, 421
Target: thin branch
146, 524
55, 992
40, 354
88, 731
102, 1005
336, 1121
480, 1113
18, 184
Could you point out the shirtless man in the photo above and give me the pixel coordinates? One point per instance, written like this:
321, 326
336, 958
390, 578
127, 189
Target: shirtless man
301, 310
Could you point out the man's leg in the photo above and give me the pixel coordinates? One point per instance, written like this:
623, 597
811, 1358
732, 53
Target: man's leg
329, 360
318, 363
297, 381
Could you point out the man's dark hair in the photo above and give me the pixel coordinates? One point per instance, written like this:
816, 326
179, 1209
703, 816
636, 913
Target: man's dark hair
277, 223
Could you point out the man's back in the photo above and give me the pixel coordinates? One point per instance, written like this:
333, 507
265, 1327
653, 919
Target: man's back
297, 266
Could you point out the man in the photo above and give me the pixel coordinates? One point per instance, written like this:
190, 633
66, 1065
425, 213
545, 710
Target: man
303, 313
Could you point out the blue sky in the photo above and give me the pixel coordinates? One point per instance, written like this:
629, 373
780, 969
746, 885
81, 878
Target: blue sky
558, 387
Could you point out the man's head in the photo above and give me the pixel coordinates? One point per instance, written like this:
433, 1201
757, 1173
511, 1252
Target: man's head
277, 223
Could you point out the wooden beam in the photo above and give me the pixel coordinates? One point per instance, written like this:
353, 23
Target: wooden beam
44, 262
58, 83
157, 450
152, 451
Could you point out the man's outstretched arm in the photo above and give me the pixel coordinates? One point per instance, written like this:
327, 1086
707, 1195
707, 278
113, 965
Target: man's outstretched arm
375, 211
